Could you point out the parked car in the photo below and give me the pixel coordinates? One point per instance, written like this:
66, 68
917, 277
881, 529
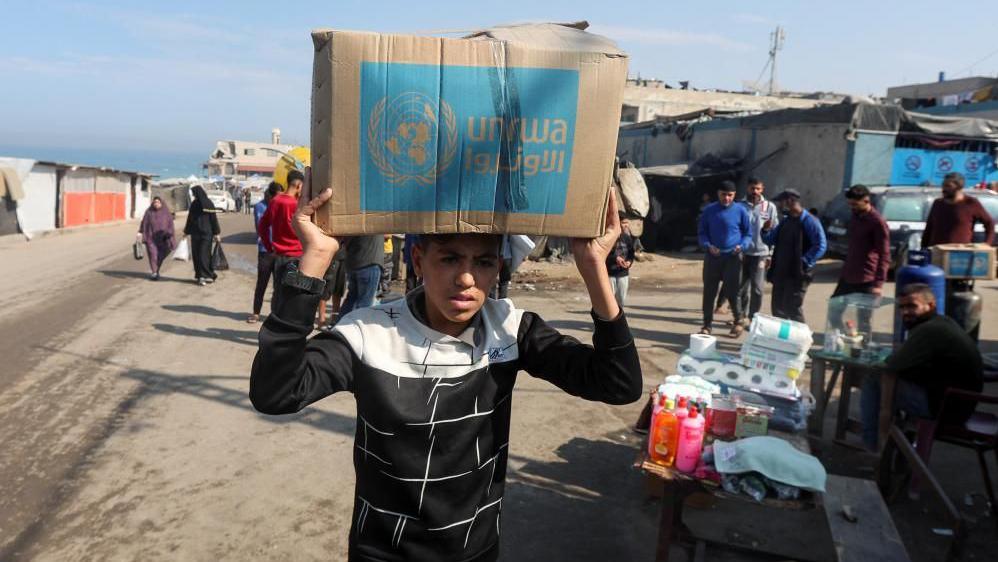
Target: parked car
222, 200
905, 209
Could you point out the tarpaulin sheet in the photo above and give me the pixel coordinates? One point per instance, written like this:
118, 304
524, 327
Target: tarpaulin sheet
876, 117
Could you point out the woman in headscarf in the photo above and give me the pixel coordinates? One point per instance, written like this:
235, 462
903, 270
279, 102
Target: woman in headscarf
202, 227
156, 231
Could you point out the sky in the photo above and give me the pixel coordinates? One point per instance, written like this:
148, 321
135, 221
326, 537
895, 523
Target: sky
180, 75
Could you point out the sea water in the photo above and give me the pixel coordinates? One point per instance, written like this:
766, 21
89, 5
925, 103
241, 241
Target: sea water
162, 163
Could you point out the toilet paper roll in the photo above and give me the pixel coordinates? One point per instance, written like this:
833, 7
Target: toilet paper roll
733, 374
688, 365
703, 346
711, 370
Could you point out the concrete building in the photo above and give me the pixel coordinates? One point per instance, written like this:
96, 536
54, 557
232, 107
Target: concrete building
242, 159
818, 151
976, 96
55, 195
645, 100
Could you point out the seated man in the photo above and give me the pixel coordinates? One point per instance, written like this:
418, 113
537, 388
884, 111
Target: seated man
433, 377
937, 355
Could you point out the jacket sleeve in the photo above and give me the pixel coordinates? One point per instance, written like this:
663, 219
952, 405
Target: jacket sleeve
263, 227
929, 221
702, 230
770, 236
882, 245
984, 218
607, 371
291, 371
745, 225
816, 236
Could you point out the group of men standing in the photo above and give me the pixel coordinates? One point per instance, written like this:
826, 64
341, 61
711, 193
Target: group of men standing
747, 242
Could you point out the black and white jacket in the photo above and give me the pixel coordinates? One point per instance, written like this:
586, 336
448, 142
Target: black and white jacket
433, 411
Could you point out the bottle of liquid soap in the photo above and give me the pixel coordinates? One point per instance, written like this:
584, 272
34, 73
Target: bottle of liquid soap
690, 442
682, 409
660, 402
665, 436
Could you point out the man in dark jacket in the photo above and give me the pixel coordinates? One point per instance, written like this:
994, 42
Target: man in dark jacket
953, 216
869, 255
937, 355
798, 243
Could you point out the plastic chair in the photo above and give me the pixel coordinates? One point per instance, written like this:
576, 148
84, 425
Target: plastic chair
979, 433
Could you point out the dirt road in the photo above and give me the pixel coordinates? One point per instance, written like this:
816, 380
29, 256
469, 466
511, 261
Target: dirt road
127, 432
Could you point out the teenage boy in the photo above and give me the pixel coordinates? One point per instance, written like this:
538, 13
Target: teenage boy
277, 234
433, 375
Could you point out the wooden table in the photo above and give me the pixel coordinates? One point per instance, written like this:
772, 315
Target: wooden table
784, 528
847, 369
810, 529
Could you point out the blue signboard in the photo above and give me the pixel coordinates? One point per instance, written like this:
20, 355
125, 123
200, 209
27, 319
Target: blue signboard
466, 138
914, 166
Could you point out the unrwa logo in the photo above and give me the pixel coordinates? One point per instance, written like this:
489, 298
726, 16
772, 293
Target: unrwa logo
402, 138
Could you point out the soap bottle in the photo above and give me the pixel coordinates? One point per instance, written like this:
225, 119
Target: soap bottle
690, 442
665, 436
682, 410
660, 402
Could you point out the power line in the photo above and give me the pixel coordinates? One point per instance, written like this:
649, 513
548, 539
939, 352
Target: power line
971, 67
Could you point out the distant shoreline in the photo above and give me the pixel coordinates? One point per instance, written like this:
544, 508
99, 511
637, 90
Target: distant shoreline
162, 163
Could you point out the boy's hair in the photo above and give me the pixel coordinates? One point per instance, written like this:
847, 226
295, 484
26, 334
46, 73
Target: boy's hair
857, 192
273, 189
754, 180
727, 186
424, 240
295, 175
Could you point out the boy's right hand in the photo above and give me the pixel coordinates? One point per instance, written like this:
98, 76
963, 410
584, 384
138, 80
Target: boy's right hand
317, 248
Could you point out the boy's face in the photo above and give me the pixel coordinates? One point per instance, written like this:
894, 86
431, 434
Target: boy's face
457, 275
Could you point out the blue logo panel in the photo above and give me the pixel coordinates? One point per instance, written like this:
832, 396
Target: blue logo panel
467, 138
912, 166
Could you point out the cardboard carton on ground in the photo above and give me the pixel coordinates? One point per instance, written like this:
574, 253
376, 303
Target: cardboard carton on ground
508, 130
965, 261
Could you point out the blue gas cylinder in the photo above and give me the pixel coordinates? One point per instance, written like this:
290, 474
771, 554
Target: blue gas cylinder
918, 270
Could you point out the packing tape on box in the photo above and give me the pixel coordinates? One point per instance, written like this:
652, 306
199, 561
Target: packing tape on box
703, 346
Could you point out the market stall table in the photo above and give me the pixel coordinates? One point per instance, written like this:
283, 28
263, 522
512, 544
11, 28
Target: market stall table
850, 371
808, 529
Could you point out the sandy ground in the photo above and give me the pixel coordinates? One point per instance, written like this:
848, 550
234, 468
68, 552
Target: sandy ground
128, 434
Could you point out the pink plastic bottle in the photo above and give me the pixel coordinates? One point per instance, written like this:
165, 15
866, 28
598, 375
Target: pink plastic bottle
690, 442
682, 410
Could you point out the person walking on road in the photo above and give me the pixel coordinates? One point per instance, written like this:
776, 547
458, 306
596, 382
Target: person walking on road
202, 227
619, 262
365, 256
156, 232
724, 231
757, 253
264, 259
277, 235
869, 254
953, 216
798, 243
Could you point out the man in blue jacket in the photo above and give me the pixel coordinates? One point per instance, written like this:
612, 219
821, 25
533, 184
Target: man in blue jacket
724, 230
798, 242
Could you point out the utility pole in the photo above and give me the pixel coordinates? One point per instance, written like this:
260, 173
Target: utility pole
776, 45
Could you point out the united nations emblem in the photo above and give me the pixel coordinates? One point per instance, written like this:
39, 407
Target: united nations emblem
402, 138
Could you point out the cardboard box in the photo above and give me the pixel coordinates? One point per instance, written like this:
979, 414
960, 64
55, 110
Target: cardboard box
965, 261
508, 130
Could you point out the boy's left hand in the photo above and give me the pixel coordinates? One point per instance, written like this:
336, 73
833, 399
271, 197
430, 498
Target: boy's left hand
592, 252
